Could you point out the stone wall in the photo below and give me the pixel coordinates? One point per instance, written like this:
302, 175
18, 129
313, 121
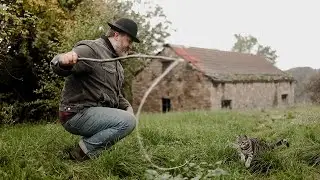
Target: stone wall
253, 95
286, 88
186, 87
140, 85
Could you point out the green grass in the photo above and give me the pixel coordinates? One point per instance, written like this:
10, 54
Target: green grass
202, 138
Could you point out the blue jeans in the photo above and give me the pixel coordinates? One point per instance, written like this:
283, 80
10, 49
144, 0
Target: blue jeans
100, 128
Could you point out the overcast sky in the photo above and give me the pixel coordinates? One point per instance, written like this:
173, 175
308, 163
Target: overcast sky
290, 27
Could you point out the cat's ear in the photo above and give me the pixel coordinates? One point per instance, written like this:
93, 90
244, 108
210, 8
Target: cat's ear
245, 136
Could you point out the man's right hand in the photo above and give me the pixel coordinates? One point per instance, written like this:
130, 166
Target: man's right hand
68, 59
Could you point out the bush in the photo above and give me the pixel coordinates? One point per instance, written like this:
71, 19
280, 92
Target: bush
44, 110
6, 113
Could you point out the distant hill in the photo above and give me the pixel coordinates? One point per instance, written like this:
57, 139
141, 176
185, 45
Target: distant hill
302, 75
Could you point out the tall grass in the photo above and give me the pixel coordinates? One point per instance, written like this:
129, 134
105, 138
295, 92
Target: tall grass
202, 138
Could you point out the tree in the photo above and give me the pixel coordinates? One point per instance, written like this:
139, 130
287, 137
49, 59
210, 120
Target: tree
30, 32
27, 44
312, 88
249, 44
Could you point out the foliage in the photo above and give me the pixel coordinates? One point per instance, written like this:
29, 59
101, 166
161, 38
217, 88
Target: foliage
302, 76
34, 111
249, 44
6, 113
15, 29
313, 86
28, 47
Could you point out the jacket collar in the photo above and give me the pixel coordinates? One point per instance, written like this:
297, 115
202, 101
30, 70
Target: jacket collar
109, 45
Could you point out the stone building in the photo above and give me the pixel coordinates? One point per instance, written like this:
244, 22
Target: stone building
211, 79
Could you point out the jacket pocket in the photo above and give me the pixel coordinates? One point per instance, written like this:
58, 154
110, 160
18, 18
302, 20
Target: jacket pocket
109, 67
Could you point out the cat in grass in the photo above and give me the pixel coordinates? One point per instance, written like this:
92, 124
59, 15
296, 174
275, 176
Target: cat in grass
249, 147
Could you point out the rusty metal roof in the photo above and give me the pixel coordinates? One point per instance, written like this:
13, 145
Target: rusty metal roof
230, 66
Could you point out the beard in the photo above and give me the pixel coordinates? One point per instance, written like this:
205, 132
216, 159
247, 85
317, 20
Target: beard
121, 51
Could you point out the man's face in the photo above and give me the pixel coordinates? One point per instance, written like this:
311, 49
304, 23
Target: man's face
123, 44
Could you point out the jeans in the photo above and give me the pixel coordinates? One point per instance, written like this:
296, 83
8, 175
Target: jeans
100, 128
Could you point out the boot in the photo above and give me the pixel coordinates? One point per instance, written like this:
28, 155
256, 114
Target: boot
77, 154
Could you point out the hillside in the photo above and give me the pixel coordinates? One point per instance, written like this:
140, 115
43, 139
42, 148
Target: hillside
302, 75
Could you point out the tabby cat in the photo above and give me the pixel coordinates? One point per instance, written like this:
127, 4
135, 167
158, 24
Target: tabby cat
248, 147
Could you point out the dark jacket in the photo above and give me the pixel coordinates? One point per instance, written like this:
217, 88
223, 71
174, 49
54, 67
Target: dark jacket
90, 83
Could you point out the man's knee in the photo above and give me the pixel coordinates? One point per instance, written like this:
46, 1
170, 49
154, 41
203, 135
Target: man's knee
131, 122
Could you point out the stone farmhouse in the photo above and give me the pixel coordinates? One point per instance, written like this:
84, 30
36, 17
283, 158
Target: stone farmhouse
212, 79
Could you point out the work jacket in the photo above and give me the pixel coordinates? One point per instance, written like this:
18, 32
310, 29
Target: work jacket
90, 83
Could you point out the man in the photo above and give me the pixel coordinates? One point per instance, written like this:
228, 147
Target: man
92, 105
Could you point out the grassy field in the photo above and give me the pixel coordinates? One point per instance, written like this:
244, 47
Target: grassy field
202, 138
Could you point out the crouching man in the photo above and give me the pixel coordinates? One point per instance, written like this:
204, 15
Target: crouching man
92, 105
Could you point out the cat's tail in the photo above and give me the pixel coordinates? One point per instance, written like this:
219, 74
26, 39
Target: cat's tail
280, 142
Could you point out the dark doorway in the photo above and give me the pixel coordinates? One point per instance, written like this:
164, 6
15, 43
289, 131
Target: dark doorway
166, 105
165, 65
284, 98
226, 104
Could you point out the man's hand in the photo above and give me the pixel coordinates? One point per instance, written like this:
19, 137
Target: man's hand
68, 59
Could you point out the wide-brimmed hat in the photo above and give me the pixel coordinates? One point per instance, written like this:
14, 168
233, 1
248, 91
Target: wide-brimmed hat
127, 26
